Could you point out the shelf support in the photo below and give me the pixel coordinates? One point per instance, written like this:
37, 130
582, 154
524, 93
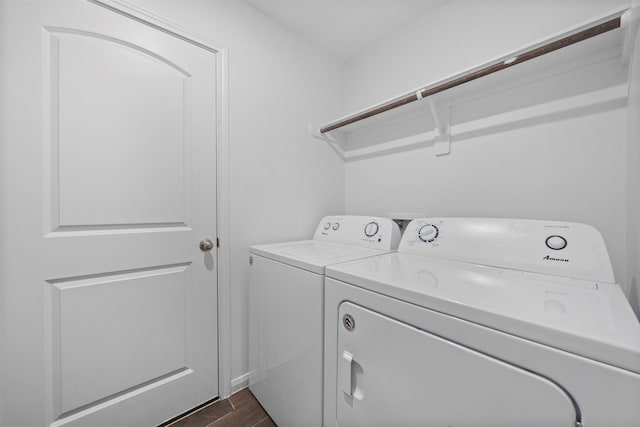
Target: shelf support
629, 21
329, 139
441, 117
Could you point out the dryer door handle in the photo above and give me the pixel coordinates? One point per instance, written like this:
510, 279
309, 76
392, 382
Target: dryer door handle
347, 375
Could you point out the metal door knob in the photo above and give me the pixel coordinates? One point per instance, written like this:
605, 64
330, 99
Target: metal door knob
206, 245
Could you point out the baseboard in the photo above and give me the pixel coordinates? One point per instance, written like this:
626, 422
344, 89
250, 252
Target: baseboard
239, 383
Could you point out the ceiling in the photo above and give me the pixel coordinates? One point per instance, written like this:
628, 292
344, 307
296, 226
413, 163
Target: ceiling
343, 28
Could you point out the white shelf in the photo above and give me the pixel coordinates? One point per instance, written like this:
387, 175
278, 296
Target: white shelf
580, 78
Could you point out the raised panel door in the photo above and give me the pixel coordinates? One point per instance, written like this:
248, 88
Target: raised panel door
109, 163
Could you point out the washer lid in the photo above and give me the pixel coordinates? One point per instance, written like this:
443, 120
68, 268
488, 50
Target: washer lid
312, 255
583, 317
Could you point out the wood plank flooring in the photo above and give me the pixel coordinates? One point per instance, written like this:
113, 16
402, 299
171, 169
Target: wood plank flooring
239, 410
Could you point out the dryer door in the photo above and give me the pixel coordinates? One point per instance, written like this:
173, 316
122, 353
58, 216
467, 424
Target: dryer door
390, 373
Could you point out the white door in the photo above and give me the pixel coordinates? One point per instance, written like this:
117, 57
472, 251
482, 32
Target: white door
109, 307
393, 374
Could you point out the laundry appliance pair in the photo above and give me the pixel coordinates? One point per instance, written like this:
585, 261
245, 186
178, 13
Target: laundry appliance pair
472, 322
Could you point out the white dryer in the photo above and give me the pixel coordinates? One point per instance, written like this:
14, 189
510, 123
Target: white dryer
482, 322
286, 312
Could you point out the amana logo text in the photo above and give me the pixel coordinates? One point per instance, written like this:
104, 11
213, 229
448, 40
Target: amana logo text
548, 258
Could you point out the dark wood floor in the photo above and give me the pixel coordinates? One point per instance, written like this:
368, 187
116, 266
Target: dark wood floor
239, 410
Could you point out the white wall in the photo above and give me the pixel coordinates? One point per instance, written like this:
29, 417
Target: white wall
460, 35
568, 168
633, 187
282, 181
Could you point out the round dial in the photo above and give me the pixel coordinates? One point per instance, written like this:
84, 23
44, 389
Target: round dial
336, 226
428, 233
371, 229
556, 242
327, 225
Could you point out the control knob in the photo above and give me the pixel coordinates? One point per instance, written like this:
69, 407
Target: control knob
428, 233
327, 225
371, 229
556, 242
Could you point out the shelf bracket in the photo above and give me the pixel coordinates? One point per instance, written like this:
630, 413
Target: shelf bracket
441, 116
629, 21
329, 139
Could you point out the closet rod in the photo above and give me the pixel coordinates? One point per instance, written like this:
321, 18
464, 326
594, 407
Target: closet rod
516, 59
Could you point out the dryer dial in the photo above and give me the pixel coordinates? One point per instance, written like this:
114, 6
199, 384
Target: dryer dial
556, 242
428, 233
371, 229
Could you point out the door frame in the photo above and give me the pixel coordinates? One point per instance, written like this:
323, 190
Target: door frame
143, 16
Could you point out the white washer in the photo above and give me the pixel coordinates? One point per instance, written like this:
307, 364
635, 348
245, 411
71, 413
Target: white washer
482, 322
286, 312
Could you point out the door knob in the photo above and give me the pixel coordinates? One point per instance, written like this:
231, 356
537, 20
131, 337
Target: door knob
206, 245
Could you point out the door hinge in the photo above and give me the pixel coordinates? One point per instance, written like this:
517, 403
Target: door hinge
217, 242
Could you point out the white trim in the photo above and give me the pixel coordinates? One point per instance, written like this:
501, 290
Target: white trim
223, 228
225, 385
239, 383
148, 18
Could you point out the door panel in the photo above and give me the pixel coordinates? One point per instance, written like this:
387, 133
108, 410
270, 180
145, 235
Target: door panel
109, 162
135, 172
100, 325
390, 373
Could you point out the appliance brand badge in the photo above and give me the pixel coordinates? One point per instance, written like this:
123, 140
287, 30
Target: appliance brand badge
549, 258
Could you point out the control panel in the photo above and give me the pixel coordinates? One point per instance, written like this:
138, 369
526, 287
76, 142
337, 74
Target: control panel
428, 233
549, 247
371, 232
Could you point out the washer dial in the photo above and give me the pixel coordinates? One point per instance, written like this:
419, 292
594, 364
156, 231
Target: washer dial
371, 229
428, 233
